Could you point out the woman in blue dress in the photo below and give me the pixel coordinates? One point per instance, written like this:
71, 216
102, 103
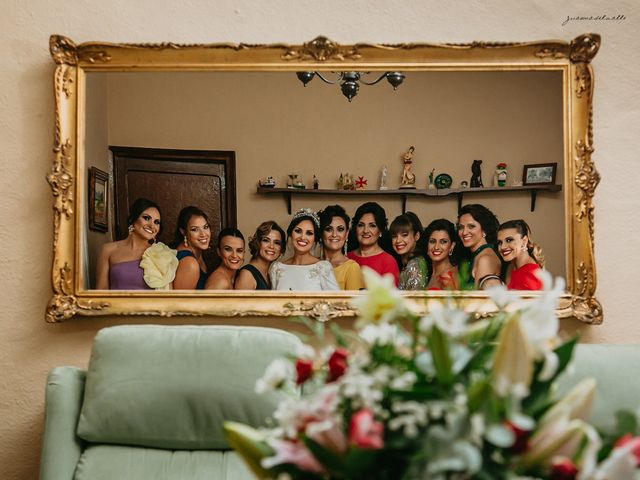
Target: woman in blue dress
266, 245
192, 238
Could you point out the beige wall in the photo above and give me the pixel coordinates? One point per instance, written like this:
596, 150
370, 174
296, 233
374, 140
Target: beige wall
277, 127
29, 347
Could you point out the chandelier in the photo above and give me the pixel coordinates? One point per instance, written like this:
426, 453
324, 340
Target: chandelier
350, 81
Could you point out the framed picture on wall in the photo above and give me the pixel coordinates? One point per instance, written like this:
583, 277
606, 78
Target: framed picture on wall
98, 201
539, 174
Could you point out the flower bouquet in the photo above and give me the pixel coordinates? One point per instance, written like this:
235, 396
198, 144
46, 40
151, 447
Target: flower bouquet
435, 397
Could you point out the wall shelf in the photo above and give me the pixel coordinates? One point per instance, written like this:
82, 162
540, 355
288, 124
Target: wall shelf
403, 194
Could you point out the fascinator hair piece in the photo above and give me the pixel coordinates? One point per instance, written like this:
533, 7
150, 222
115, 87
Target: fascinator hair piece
307, 212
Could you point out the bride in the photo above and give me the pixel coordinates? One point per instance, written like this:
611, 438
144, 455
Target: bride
303, 270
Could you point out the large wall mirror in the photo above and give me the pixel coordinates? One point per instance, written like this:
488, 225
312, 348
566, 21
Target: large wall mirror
204, 123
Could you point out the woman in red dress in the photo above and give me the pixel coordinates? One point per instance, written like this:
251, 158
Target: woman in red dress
367, 235
524, 258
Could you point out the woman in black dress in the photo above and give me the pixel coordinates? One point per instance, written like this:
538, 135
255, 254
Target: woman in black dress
266, 245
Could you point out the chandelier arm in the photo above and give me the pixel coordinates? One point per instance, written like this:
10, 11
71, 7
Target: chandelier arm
329, 81
384, 75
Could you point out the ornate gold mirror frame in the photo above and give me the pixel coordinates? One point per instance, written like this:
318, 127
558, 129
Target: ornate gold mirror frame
74, 61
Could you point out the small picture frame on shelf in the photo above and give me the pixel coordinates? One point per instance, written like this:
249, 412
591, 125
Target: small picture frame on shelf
98, 200
539, 174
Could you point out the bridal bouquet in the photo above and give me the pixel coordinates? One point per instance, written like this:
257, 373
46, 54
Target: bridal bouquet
435, 397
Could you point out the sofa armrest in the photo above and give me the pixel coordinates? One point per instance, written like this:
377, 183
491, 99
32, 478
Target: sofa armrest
61, 447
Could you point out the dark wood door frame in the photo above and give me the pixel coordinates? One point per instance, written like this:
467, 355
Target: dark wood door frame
183, 161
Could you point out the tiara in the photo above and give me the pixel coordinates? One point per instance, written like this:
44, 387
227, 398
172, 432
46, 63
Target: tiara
307, 212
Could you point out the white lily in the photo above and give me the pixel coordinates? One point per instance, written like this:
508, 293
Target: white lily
576, 404
450, 320
274, 376
563, 428
382, 302
621, 464
513, 360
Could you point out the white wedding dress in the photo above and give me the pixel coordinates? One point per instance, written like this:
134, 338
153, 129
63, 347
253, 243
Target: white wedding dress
318, 276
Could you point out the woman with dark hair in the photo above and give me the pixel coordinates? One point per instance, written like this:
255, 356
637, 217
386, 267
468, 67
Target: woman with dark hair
368, 234
477, 228
442, 255
303, 270
118, 265
191, 239
266, 245
406, 231
524, 258
334, 224
230, 252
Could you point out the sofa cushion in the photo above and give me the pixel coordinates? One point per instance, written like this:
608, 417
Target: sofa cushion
172, 387
112, 462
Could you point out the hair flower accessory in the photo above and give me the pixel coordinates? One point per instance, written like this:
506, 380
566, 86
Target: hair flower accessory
159, 263
307, 212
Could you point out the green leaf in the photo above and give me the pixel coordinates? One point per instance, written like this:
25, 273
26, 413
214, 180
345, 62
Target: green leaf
338, 334
439, 346
329, 460
477, 394
359, 462
250, 445
539, 399
626, 422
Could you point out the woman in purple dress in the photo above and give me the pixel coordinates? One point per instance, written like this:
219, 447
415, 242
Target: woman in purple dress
118, 266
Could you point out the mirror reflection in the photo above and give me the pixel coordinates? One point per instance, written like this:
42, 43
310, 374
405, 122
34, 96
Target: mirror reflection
256, 182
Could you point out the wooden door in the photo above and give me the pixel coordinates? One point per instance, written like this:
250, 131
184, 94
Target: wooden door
175, 179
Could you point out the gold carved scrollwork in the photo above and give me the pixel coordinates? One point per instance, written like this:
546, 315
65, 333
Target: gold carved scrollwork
322, 311
584, 47
61, 182
584, 280
63, 307
63, 50
583, 79
321, 49
550, 51
64, 304
587, 309
587, 179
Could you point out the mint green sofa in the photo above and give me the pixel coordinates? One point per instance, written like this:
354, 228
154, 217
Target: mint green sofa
152, 403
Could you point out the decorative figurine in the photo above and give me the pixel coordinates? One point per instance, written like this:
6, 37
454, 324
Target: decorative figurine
361, 183
383, 178
268, 182
316, 185
476, 174
295, 181
347, 182
500, 176
431, 185
408, 177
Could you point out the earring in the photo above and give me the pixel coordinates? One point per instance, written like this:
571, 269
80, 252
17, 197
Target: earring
130, 228
186, 243
450, 252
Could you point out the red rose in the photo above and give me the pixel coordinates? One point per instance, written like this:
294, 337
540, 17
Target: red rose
364, 431
635, 449
337, 364
521, 443
304, 370
563, 469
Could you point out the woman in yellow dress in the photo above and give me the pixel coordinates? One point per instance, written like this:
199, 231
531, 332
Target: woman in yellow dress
334, 225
